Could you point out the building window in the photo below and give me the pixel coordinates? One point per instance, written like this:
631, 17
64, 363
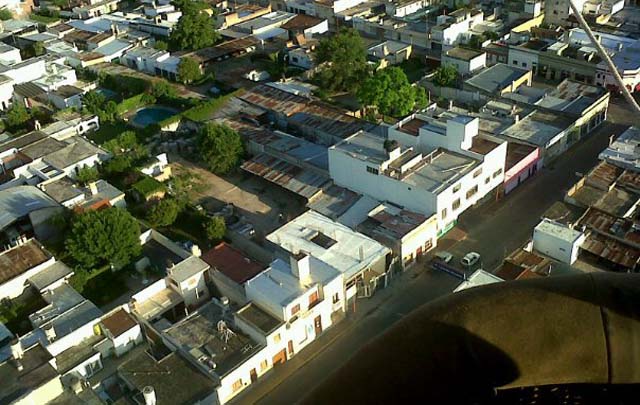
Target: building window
515, 62
276, 338
497, 173
456, 205
487, 180
295, 309
456, 188
472, 191
477, 173
263, 365
336, 298
372, 170
237, 385
313, 299
443, 214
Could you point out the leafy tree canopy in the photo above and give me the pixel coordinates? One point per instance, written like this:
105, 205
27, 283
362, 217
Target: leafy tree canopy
110, 235
164, 212
194, 29
94, 102
345, 59
17, 116
215, 228
446, 76
161, 45
189, 70
220, 147
391, 93
87, 174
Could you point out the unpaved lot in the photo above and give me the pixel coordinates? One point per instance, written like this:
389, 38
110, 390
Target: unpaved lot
260, 202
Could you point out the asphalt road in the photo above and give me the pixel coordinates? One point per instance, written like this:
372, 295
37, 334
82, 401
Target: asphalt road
493, 229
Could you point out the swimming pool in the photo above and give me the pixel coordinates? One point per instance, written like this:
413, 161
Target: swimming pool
151, 115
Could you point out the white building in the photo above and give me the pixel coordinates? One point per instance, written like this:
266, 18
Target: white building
306, 294
404, 8
454, 28
624, 151
359, 258
557, 11
9, 55
152, 61
557, 241
466, 61
435, 166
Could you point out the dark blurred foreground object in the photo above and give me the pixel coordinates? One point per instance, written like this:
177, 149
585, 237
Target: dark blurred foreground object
577, 333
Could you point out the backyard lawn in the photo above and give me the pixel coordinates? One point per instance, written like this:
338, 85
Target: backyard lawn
414, 68
106, 287
108, 131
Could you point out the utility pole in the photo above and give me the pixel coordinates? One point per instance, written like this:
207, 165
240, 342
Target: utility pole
603, 54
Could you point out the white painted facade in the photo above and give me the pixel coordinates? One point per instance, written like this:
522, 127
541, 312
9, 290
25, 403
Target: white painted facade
463, 66
15, 287
523, 57
475, 176
557, 241
303, 294
9, 55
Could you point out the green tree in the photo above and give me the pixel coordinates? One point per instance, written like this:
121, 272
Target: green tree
110, 236
194, 29
188, 70
220, 147
88, 174
345, 60
109, 113
446, 76
215, 228
161, 45
163, 89
5, 15
391, 93
17, 116
164, 212
94, 102
38, 48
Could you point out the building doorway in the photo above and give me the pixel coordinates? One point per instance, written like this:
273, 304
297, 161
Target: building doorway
317, 323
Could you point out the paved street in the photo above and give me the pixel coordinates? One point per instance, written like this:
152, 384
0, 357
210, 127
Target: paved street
493, 229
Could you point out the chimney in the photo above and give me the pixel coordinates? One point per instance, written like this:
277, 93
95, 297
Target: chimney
93, 187
16, 353
300, 267
50, 333
195, 250
149, 395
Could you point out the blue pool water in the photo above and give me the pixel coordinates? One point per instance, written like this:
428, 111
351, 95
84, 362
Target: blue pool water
151, 115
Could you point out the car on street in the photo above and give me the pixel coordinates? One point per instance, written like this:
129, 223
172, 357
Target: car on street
470, 259
444, 256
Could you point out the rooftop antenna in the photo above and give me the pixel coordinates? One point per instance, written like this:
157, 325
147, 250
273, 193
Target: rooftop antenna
224, 331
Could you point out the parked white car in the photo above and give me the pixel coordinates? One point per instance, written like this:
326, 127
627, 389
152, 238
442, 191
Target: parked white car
470, 259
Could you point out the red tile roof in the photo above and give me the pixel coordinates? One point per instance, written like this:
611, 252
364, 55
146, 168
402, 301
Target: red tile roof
232, 263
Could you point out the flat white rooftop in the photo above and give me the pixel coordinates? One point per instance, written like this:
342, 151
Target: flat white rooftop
345, 250
558, 230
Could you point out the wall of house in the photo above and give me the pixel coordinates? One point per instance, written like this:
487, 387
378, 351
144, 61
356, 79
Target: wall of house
268, 305
556, 247
6, 94
42, 394
14, 287
125, 342
352, 173
91, 161
523, 58
83, 332
194, 290
421, 237
242, 372
88, 367
227, 287
27, 73
522, 170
